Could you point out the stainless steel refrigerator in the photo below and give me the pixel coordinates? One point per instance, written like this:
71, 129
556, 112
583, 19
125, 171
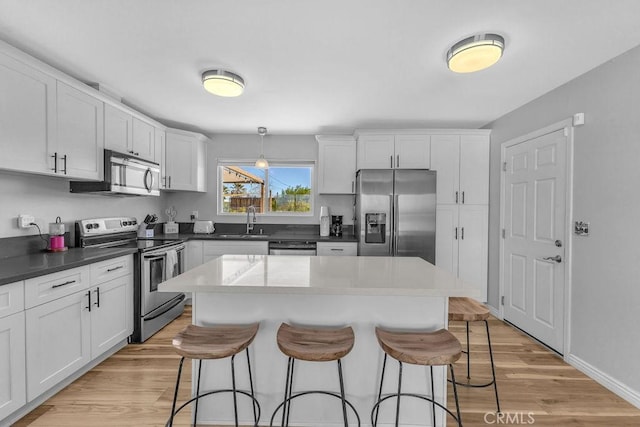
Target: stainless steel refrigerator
396, 213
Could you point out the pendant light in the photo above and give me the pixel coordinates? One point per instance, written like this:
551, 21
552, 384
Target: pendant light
475, 53
262, 162
223, 83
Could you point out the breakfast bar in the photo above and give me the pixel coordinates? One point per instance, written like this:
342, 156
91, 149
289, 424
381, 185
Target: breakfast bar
363, 292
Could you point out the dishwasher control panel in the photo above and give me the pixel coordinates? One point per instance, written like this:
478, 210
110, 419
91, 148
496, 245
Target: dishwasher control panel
295, 247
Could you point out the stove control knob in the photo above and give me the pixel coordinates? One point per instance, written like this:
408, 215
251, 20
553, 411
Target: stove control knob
88, 226
125, 223
134, 222
96, 225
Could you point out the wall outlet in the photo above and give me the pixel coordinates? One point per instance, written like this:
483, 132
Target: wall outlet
194, 215
25, 221
581, 228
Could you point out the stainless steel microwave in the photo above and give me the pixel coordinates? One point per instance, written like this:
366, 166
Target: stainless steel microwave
124, 174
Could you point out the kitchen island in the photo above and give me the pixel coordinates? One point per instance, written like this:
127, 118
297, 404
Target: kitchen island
364, 292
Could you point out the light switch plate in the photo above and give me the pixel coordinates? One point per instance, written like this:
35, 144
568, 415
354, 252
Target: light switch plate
581, 228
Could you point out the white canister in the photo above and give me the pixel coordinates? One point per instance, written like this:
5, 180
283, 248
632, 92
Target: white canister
325, 221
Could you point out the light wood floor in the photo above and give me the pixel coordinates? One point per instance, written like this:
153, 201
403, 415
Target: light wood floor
135, 387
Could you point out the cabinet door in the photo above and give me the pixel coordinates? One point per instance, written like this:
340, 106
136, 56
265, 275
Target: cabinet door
160, 155
12, 364
143, 142
118, 129
413, 152
80, 134
375, 152
337, 167
27, 117
447, 237
474, 169
445, 159
473, 242
194, 254
111, 314
58, 341
182, 162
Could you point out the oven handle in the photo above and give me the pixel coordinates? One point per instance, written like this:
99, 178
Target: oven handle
164, 309
161, 252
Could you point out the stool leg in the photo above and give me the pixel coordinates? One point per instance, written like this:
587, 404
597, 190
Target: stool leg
342, 396
175, 393
455, 395
399, 391
468, 355
493, 369
233, 384
286, 392
384, 366
255, 414
433, 398
293, 361
195, 415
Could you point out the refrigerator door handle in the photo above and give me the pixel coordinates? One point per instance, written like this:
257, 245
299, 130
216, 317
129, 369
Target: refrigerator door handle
395, 225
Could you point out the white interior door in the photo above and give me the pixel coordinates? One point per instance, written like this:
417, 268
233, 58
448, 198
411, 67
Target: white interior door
534, 246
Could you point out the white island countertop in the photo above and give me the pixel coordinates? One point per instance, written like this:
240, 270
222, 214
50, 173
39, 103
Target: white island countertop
321, 275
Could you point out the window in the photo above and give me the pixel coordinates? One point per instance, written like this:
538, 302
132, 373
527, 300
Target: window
280, 189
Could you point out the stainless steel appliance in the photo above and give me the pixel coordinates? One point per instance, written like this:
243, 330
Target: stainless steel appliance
297, 247
155, 261
124, 174
396, 213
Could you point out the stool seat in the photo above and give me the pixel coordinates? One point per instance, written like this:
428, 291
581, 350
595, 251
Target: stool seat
215, 342
467, 310
314, 344
420, 348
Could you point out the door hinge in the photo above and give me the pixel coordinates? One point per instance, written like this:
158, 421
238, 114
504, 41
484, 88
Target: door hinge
502, 300
504, 233
504, 166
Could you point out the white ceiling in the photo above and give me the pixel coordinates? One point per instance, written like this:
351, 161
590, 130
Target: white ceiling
320, 66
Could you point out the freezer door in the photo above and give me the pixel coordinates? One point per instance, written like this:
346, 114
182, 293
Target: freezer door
373, 206
415, 214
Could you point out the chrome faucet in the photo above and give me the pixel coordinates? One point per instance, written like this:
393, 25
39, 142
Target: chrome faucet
250, 209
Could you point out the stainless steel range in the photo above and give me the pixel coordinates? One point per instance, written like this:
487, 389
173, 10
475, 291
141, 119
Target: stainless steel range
155, 262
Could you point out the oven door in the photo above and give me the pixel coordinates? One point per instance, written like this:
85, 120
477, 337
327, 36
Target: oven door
154, 270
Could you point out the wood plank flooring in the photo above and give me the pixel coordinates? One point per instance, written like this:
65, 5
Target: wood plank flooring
134, 387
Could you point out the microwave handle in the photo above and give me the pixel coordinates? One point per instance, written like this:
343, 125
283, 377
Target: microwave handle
148, 175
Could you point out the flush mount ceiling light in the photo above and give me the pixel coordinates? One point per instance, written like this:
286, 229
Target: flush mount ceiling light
262, 162
223, 83
475, 53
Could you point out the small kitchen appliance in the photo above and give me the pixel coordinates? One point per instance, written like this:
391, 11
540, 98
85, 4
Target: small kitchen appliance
325, 221
171, 227
336, 225
56, 236
203, 227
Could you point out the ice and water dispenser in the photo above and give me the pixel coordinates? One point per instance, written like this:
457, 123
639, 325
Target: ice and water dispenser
375, 227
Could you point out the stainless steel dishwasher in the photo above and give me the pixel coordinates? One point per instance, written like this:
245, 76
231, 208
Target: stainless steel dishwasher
297, 247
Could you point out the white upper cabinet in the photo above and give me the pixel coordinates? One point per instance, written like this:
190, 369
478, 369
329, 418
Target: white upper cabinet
118, 129
336, 164
462, 163
79, 151
185, 159
160, 137
143, 140
393, 151
27, 117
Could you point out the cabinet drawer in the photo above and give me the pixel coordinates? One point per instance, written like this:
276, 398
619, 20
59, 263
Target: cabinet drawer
53, 286
337, 249
104, 271
11, 298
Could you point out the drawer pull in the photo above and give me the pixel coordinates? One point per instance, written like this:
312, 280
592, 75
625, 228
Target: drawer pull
68, 282
109, 270
337, 249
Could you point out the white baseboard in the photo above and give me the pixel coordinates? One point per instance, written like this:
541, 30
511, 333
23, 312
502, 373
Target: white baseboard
494, 312
622, 390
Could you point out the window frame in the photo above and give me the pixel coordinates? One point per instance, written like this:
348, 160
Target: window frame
311, 164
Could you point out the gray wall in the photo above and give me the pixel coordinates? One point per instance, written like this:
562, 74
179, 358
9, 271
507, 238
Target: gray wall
48, 197
247, 147
605, 293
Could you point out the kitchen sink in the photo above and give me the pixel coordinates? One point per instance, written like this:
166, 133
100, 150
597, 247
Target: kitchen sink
241, 236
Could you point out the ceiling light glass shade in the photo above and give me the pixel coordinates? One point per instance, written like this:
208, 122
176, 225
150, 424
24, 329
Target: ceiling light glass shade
262, 162
475, 53
223, 83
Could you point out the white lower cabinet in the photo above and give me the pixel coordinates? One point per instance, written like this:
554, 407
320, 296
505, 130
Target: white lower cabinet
337, 248
12, 364
111, 314
58, 341
194, 254
462, 234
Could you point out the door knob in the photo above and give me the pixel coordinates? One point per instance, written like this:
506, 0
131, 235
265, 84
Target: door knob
558, 243
556, 258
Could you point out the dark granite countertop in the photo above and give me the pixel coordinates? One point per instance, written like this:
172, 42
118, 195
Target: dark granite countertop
23, 267
285, 235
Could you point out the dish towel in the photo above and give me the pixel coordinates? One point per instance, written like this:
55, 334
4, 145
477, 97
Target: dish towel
170, 263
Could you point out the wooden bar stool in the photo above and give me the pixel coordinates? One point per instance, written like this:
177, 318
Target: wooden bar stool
431, 349
313, 345
217, 342
469, 310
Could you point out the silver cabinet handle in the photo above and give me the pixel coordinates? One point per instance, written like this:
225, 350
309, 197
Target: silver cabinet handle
456, 197
68, 282
556, 258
